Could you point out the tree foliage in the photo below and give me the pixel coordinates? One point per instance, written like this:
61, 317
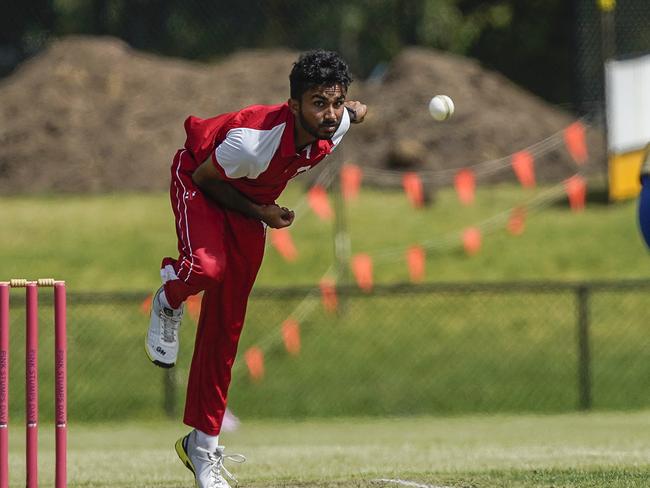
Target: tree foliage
527, 41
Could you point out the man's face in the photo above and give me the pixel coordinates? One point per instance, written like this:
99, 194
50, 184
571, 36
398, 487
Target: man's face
320, 110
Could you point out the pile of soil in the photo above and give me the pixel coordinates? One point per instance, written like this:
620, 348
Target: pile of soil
494, 118
93, 115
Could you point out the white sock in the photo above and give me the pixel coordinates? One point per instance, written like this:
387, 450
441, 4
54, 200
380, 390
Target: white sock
205, 441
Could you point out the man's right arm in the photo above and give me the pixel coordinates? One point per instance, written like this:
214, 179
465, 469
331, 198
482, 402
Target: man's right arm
215, 187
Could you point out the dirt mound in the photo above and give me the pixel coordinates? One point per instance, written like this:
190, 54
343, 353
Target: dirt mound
93, 115
493, 119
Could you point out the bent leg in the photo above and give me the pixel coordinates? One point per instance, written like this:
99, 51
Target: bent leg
200, 231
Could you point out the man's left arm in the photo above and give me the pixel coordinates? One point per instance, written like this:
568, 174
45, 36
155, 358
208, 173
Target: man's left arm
214, 186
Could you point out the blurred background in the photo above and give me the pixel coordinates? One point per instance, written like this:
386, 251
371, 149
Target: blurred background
490, 263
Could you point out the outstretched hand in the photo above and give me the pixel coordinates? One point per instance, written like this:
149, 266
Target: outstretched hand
277, 217
359, 110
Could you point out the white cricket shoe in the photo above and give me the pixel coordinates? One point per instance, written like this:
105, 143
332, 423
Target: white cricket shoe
207, 467
161, 343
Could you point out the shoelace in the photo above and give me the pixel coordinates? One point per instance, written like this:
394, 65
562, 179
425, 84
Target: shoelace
217, 458
169, 327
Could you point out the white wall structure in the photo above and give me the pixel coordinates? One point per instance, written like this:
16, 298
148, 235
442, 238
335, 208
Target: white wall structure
627, 85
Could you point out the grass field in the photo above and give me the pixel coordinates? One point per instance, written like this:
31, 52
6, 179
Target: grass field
595, 450
449, 360
115, 242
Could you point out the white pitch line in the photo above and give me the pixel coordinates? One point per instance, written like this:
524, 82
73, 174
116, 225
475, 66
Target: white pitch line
409, 483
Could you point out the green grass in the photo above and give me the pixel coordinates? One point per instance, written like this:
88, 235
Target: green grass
404, 355
401, 354
115, 242
595, 450
448, 353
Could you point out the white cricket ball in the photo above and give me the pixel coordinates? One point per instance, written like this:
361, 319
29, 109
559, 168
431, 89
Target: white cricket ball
441, 107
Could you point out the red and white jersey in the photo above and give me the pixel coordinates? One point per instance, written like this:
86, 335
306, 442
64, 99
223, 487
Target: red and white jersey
254, 148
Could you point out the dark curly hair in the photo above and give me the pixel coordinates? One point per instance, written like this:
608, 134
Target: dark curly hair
317, 68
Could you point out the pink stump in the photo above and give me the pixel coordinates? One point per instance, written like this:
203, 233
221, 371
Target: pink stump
60, 386
4, 385
31, 385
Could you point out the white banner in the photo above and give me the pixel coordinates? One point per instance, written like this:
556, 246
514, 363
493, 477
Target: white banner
628, 104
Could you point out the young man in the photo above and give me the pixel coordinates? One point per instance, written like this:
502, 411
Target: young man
225, 182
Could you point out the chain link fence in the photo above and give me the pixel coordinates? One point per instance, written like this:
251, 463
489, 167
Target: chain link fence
400, 350
606, 29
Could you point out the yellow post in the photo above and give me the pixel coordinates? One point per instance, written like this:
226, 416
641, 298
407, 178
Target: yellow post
624, 170
607, 5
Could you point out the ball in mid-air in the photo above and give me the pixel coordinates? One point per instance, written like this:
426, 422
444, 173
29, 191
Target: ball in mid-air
441, 107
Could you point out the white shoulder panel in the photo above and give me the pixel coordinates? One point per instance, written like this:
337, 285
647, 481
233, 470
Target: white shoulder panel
343, 128
248, 152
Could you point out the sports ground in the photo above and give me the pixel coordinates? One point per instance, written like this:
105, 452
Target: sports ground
458, 304
573, 450
600, 449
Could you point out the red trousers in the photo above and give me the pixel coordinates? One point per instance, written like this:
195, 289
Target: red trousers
220, 252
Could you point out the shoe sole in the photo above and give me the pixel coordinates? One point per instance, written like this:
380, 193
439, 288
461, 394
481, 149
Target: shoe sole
160, 364
185, 459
